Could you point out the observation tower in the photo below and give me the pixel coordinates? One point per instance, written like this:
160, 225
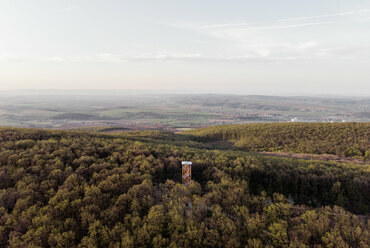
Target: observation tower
186, 172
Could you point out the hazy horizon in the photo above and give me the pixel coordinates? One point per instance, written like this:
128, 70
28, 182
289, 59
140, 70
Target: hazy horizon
166, 92
230, 47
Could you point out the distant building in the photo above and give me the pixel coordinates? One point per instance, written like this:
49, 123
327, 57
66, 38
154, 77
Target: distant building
295, 119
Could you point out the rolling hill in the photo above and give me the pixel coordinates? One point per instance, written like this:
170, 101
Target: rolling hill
342, 139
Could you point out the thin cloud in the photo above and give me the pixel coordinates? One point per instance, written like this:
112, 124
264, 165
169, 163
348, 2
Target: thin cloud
261, 57
225, 25
70, 8
287, 26
167, 24
293, 25
365, 19
325, 16
258, 39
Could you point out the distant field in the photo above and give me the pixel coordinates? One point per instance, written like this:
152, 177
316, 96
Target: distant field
172, 112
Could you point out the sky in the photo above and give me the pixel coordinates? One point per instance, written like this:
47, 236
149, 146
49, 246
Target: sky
286, 47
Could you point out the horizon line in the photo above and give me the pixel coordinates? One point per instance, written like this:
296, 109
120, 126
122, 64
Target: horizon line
184, 92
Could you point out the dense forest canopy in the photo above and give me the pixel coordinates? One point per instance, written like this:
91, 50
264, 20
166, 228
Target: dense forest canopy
76, 189
344, 139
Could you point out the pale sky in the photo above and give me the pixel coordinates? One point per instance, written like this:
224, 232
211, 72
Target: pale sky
228, 46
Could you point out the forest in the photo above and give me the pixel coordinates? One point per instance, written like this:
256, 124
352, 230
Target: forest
344, 139
87, 189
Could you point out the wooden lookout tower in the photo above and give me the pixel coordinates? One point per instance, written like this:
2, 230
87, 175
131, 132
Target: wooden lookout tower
186, 172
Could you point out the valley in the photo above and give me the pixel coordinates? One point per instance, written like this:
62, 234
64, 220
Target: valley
176, 112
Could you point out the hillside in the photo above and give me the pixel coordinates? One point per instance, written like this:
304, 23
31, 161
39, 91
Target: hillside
342, 139
85, 189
